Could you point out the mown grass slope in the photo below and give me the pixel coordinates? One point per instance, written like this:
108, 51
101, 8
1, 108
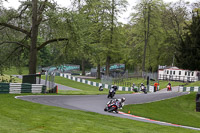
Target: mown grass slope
17, 116
179, 110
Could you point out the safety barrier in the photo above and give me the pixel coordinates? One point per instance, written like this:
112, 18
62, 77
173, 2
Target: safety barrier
17, 88
190, 89
120, 88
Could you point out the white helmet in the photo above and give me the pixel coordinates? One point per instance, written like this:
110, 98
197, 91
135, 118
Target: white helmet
123, 99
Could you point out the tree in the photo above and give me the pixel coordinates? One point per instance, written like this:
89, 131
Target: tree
188, 51
174, 17
146, 33
26, 22
98, 33
115, 8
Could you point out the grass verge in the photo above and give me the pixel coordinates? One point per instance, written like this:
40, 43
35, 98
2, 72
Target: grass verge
19, 116
85, 89
179, 110
16, 71
138, 81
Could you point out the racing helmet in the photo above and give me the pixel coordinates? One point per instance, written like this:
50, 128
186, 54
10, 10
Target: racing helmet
123, 99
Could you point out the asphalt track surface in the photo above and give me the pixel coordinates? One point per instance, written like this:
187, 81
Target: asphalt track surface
96, 103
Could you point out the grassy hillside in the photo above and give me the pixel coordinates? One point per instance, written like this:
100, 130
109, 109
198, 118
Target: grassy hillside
84, 88
19, 116
16, 71
179, 110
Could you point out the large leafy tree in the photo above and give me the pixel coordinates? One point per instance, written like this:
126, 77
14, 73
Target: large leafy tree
97, 33
188, 51
116, 6
173, 20
24, 26
97, 15
146, 27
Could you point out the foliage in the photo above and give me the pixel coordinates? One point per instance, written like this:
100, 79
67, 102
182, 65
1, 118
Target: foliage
9, 79
90, 35
165, 27
188, 51
21, 28
16, 71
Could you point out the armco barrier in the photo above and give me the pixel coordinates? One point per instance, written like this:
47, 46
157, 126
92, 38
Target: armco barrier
4, 87
17, 88
192, 89
120, 88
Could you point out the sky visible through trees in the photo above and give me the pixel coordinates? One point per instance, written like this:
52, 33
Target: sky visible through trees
124, 17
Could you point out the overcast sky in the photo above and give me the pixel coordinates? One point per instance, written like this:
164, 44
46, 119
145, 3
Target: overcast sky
66, 3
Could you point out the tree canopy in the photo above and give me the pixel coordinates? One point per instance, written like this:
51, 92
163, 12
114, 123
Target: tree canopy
40, 33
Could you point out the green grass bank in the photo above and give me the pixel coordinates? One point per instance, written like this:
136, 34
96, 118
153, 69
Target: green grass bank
179, 110
19, 116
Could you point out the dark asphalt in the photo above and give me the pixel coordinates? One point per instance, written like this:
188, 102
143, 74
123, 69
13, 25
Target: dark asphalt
96, 103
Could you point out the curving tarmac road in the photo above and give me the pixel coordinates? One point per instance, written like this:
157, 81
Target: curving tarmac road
96, 103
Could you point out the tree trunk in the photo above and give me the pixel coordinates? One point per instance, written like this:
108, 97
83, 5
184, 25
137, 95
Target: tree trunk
108, 65
34, 34
108, 59
83, 67
146, 34
98, 71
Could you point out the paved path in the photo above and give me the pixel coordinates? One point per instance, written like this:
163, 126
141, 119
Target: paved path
60, 87
90, 102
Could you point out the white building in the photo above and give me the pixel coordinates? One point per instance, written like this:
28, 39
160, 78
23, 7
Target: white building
176, 74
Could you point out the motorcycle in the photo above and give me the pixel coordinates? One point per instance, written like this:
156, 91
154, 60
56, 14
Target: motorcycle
111, 93
169, 88
143, 89
100, 88
112, 106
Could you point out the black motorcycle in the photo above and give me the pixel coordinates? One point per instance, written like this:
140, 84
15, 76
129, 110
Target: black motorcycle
111, 93
143, 89
112, 106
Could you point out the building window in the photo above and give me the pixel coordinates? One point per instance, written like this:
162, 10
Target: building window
185, 73
174, 72
170, 72
188, 73
167, 72
179, 72
192, 73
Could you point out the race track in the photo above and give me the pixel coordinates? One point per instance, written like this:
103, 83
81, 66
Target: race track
96, 103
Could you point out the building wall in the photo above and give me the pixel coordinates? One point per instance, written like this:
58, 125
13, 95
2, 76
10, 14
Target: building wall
178, 74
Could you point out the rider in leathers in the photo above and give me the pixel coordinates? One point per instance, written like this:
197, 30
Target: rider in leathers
119, 103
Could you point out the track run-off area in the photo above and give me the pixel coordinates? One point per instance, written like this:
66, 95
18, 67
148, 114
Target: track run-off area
96, 103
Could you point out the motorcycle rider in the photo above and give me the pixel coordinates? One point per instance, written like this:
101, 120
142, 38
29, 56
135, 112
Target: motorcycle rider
169, 87
114, 87
143, 88
118, 102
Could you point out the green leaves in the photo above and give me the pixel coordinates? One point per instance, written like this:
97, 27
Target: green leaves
188, 51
